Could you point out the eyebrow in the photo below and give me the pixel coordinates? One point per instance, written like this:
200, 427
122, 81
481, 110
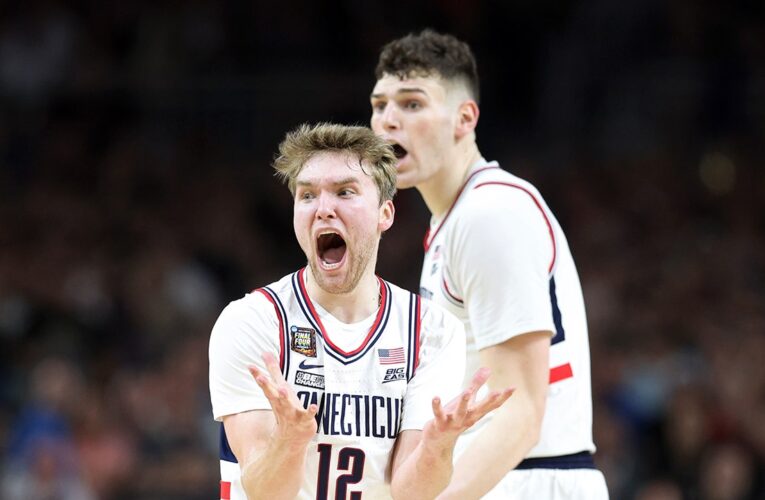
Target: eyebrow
340, 182
404, 90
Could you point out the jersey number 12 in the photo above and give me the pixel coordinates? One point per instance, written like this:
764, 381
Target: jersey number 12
348, 459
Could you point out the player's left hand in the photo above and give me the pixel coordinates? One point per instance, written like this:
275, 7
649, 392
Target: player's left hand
463, 411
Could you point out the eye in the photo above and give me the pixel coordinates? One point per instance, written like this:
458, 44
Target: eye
412, 105
345, 192
305, 195
378, 106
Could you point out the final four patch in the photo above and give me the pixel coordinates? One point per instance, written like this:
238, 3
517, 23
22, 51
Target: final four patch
303, 341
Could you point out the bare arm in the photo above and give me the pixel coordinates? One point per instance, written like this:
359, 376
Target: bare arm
422, 460
515, 427
270, 445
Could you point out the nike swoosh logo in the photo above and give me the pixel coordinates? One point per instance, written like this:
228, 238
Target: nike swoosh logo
305, 366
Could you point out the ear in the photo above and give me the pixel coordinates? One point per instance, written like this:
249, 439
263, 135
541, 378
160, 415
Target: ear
387, 214
467, 118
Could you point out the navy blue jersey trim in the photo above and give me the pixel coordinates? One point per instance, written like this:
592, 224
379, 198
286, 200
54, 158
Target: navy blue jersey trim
327, 347
413, 347
225, 450
560, 333
286, 333
581, 460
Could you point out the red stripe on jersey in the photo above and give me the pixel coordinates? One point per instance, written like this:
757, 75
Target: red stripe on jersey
281, 326
225, 490
561, 372
539, 206
428, 239
451, 294
380, 314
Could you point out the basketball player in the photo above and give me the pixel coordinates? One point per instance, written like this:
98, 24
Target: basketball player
330, 381
497, 258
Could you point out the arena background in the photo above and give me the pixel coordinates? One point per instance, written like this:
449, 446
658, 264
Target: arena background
137, 199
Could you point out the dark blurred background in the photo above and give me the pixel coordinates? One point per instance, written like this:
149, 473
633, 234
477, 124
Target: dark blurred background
137, 199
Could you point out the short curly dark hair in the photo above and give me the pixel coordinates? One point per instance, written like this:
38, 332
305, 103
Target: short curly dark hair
428, 53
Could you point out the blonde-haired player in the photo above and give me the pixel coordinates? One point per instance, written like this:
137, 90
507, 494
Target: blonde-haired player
330, 381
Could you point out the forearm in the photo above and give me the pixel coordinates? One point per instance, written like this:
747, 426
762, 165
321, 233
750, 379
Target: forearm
425, 472
275, 472
496, 450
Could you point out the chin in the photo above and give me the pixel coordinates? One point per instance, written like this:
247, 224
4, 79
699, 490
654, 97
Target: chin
405, 182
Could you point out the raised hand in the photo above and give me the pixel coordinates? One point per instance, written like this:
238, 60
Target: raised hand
293, 422
464, 411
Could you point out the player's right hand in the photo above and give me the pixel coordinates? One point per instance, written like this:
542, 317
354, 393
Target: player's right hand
294, 424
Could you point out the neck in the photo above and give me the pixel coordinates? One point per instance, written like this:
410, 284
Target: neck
440, 190
348, 307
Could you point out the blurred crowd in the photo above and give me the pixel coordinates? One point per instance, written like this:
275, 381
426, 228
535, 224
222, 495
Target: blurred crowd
136, 200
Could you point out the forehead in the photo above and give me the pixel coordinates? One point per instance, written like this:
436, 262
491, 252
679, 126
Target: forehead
333, 167
390, 85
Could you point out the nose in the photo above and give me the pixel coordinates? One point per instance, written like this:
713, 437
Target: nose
389, 118
325, 208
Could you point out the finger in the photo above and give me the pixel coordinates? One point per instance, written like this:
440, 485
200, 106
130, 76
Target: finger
464, 403
479, 378
312, 410
268, 388
438, 410
272, 366
493, 400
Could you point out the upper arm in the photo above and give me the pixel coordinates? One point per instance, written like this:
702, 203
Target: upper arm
244, 330
500, 262
521, 362
248, 431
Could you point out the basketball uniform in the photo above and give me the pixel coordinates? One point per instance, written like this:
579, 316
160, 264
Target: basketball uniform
500, 262
370, 379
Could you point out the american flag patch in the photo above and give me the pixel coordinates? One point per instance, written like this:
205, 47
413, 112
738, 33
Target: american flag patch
391, 356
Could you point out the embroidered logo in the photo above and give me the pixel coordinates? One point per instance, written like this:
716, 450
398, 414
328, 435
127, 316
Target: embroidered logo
306, 366
303, 341
393, 356
311, 380
393, 374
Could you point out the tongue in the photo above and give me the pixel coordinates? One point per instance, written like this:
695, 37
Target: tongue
333, 255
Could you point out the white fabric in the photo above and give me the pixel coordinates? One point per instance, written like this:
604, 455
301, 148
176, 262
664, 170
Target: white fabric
490, 261
551, 484
356, 404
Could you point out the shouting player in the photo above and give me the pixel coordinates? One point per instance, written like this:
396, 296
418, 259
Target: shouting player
330, 381
497, 258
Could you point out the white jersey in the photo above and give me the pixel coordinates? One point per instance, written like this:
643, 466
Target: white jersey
499, 261
370, 379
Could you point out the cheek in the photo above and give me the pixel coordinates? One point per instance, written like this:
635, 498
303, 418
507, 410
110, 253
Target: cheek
302, 227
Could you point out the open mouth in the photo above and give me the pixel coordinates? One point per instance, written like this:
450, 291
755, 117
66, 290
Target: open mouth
399, 151
331, 248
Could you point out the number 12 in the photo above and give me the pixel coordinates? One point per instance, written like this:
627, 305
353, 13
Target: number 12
344, 459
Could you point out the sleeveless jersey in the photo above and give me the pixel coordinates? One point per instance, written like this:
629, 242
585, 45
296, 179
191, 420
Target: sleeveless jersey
366, 394
500, 262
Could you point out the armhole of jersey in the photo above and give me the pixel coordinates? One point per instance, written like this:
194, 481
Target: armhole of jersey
284, 340
414, 335
225, 448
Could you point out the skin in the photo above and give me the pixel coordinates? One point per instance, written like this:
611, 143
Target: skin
435, 120
334, 194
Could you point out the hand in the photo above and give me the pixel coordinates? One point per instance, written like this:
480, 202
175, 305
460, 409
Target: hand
463, 411
293, 422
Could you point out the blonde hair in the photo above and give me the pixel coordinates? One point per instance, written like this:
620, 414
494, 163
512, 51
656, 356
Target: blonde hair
301, 144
